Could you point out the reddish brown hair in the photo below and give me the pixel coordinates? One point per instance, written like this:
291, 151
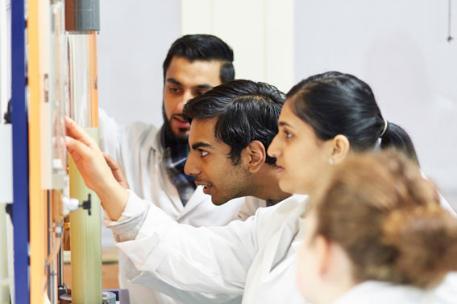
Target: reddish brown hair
387, 218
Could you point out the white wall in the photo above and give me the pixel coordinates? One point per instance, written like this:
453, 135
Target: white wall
133, 41
259, 31
400, 48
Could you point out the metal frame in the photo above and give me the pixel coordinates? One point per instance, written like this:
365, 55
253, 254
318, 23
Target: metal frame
20, 154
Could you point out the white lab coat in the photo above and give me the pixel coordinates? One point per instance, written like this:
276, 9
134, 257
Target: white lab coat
252, 259
137, 149
376, 292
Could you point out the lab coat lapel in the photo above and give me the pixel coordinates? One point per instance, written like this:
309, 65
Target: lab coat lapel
272, 272
163, 184
197, 198
279, 247
145, 156
149, 156
272, 252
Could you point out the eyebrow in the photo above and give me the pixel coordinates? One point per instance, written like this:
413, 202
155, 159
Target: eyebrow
205, 86
284, 124
200, 144
173, 81
200, 86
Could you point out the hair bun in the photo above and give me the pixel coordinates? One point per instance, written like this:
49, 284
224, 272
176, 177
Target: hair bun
425, 239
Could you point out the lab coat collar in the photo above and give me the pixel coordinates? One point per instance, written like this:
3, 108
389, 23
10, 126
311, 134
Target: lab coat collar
197, 198
153, 141
153, 149
381, 292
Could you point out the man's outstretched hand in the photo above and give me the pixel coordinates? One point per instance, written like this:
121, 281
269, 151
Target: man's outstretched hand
117, 171
94, 169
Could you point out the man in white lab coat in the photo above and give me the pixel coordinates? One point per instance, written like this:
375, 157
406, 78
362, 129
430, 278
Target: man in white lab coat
153, 159
232, 127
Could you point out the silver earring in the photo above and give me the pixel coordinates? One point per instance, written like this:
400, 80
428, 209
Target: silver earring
331, 161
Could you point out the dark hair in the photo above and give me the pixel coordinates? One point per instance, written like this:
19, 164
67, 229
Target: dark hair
388, 220
202, 47
335, 103
246, 111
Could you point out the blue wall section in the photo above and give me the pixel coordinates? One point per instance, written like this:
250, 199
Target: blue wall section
20, 154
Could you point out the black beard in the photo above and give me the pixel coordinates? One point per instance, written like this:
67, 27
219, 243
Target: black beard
167, 137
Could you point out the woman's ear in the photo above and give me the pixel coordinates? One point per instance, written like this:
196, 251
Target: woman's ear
340, 148
253, 156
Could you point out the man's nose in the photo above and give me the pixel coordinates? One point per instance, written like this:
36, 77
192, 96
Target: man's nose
190, 168
185, 99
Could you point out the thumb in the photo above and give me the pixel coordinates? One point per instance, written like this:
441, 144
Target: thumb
77, 150
111, 162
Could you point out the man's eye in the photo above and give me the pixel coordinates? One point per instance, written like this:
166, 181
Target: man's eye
203, 153
200, 92
174, 90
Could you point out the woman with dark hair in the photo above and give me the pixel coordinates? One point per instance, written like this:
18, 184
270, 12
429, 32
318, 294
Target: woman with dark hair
375, 233
324, 118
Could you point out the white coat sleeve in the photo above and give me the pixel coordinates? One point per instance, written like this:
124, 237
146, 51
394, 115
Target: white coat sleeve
109, 134
130, 221
207, 260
